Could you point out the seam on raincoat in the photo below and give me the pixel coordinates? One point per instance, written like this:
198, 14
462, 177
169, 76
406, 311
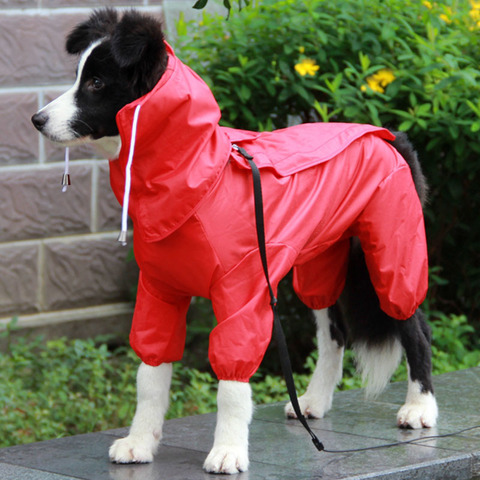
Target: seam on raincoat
212, 248
161, 294
254, 251
393, 172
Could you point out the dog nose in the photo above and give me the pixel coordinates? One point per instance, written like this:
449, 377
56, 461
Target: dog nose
39, 120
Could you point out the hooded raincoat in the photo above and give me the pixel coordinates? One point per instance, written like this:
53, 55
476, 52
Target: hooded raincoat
192, 206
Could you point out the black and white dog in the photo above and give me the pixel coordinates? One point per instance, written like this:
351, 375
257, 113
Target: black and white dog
122, 59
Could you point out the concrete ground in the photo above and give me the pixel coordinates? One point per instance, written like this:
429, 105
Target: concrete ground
281, 449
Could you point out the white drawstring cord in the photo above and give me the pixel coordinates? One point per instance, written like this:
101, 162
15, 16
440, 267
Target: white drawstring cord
122, 238
66, 176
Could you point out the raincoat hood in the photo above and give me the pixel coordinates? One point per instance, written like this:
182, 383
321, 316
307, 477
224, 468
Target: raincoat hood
178, 150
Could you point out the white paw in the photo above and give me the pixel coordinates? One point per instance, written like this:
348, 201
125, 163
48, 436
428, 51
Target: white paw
423, 412
311, 407
134, 449
226, 460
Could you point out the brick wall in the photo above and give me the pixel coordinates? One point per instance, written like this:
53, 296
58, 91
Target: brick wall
60, 263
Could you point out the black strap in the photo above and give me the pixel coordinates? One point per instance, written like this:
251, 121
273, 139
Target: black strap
279, 334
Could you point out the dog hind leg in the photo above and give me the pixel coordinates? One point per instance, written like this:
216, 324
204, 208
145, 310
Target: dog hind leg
317, 400
229, 453
420, 408
141, 444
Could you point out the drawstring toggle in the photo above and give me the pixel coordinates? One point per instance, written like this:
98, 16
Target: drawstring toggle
66, 176
122, 237
65, 181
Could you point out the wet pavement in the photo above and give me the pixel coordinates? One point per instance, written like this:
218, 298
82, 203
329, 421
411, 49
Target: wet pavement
282, 449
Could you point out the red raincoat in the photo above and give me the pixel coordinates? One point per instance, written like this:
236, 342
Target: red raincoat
192, 207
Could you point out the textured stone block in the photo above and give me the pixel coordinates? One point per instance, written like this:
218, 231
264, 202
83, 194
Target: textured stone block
18, 139
56, 153
18, 279
33, 49
18, 3
85, 271
32, 204
90, 3
109, 212
113, 319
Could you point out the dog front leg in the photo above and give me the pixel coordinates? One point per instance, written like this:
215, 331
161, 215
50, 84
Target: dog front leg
230, 447
141, 444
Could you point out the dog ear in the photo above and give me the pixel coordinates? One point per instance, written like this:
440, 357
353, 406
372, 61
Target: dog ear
137, 45
100, 24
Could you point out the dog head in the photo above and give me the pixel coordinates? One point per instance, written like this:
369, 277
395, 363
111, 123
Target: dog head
121, 59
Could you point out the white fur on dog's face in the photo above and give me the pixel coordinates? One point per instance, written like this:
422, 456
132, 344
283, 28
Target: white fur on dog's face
61, 112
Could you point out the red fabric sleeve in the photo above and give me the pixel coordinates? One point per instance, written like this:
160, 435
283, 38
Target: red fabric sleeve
159, 327
245, 320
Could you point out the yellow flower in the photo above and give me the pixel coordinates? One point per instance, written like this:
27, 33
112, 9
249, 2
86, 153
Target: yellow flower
301, 49
379, 80
445, 18
475, 14
307, 66
475, 4
427, 4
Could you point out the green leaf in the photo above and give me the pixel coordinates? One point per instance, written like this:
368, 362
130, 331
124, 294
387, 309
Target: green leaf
475, 127
447, 81
424, 109
351, 112
374, 114
322, 110
200, 4
454, 130
242, 60
413, 99
236, 70
364, 61
181, 25
333, 86
475, 108
270, 88
302, 91
405, 126
244, 93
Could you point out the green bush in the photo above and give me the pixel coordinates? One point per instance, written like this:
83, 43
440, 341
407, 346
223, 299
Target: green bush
406, 64
61, 387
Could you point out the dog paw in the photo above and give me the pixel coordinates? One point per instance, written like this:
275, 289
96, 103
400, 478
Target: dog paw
421, 413
310, 406
134, 449
226, 460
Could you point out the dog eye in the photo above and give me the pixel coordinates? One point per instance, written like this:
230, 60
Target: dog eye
95, 84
